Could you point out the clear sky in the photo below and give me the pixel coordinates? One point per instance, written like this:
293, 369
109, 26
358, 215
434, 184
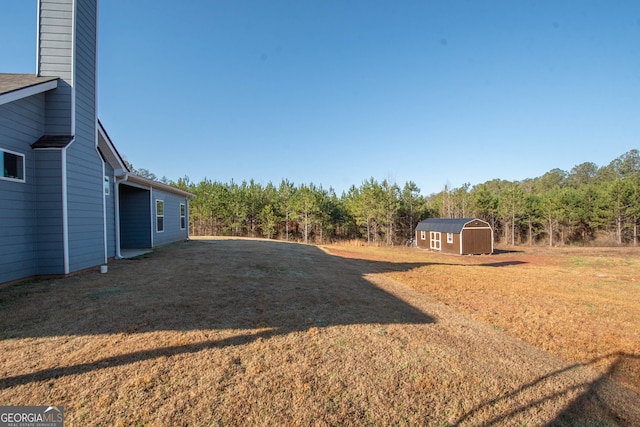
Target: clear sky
334, 92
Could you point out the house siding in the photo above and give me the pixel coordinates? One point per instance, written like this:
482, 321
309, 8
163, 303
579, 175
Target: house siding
85, 201
21, 121
172, 231
55, 56
21, 124
85, 209
50, 246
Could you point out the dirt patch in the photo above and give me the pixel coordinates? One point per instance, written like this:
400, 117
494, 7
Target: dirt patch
234, 331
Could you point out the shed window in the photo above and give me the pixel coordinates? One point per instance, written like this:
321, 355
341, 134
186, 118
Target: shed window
159, 215
12, 165
423, 235
183, 216
449, 237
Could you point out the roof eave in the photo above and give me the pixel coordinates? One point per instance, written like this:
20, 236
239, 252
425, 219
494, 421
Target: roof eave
137, 179
26, 91
445, 225
109, 150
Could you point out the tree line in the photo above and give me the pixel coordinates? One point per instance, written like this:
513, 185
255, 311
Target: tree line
586, 205
379, 212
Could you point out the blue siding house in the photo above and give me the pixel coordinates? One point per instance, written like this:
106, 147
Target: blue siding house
68, 201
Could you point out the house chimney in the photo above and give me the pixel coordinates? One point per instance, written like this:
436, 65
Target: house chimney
67, 35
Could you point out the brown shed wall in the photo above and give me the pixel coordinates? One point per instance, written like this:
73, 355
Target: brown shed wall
423, 244
451, 248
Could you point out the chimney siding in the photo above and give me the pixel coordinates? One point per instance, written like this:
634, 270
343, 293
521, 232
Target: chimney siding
55, 58
67, 49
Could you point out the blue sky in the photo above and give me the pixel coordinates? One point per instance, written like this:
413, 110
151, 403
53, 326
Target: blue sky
335, 92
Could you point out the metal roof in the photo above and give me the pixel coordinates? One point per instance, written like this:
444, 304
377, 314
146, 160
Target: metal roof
444, 225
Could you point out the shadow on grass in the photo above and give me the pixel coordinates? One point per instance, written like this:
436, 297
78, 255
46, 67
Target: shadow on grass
506, 251
502, 264
220, 284
594, 401
128, 358
240, 285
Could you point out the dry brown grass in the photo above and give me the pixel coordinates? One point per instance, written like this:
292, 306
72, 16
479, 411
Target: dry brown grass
245, 332
582, 304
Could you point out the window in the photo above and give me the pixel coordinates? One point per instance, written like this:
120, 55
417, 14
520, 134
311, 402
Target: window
423, 235
159, 215
12, 165
449, 237
183, 216
107, 189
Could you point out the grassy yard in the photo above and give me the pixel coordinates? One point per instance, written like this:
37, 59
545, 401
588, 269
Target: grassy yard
582, 304
250, 332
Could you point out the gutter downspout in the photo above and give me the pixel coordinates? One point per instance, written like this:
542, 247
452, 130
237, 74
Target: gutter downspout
104, 211
188, 213
116, 195
151, 215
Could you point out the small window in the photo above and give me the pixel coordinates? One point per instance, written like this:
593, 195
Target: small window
449, 237
12, 165
107, 188
183, 216
423, 235
159, 215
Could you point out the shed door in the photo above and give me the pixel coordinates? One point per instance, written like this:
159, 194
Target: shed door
435, 240
477, 241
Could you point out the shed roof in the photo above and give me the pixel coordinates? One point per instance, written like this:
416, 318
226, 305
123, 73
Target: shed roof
444, 225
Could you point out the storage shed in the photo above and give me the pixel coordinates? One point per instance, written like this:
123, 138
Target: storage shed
462, 236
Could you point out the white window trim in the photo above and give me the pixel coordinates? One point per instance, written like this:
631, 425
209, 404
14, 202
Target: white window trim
160, 216
423, 235
449, 237
24, 167
183, 216
435, 240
